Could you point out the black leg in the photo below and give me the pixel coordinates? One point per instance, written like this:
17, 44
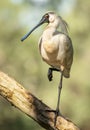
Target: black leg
57, 111
50, 75
58, 102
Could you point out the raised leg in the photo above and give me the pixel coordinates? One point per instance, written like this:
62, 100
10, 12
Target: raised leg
49, 74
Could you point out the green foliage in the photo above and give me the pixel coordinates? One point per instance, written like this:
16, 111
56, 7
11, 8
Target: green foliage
23, 62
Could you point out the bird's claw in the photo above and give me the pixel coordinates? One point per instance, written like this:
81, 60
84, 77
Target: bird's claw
50, 75
57, 113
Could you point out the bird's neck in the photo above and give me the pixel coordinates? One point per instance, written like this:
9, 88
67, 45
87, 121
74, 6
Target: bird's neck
49, 32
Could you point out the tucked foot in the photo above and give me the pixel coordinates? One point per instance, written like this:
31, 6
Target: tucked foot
50, 75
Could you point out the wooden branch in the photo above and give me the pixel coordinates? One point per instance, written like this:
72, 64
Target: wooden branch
19, 97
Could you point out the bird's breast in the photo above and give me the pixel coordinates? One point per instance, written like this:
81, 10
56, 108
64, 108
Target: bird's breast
50, 47
49, 52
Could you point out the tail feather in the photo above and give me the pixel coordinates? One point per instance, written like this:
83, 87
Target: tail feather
66, 73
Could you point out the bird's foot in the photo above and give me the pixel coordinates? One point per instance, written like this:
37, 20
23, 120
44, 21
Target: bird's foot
57, 113
50, 75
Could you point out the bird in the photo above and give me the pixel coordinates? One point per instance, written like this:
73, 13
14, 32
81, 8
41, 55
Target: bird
55, 48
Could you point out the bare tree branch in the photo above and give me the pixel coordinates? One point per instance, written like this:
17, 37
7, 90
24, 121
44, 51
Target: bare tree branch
18, 96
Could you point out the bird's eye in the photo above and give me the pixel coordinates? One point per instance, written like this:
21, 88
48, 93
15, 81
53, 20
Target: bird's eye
46, 16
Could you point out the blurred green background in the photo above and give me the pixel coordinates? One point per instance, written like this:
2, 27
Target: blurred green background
22, 61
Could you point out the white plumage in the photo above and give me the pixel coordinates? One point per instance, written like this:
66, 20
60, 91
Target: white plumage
55, 48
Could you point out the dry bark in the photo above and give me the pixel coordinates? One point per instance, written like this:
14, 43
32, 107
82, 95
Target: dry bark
25, 101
